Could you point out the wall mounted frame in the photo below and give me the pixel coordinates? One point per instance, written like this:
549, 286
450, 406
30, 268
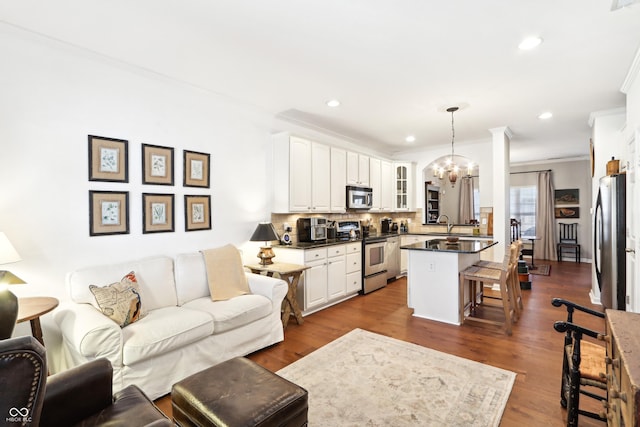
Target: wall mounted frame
197, 212
157, 165
108, 159
196, 169
157, 213
108, 212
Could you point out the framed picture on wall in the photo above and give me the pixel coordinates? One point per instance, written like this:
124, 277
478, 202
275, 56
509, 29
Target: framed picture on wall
157, 213
108, 159
568, 212
157, 165
567, 197
196, 169
108, 212
197, 212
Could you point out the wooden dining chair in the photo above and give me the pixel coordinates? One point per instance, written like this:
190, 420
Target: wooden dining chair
568, 242
583, 364
482, 305
515, 229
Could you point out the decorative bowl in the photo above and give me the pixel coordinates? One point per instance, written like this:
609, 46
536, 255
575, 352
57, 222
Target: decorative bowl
452, 239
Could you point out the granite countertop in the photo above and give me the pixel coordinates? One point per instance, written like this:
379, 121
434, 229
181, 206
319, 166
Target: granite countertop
442, 245
318, 244
435, 233
331, 242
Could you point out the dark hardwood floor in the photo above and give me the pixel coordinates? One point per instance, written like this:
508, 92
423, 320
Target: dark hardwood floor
533, 352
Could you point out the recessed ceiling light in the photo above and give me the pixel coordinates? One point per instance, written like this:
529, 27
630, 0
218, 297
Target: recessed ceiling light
333, 103
530, 43
410, 138
545, 115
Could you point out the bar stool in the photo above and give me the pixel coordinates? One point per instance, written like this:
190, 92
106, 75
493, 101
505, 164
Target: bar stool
513, 274
478, 304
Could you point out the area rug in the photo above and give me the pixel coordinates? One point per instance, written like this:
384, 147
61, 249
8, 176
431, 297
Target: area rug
367, 379
541, 270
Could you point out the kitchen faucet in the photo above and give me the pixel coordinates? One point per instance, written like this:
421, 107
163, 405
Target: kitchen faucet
449, 224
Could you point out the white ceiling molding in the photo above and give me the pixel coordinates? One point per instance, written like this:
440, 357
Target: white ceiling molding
619, 4
634, 70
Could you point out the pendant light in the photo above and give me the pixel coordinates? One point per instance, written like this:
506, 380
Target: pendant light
452, 168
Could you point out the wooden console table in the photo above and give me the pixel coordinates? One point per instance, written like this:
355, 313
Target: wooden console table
623, 368
290, 273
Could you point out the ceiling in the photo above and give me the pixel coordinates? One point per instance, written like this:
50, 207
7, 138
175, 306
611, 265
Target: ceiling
395, 65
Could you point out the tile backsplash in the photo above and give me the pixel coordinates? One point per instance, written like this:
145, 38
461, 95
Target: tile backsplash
413, 219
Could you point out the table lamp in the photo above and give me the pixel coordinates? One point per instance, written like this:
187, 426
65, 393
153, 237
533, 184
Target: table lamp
265, 232
8, 301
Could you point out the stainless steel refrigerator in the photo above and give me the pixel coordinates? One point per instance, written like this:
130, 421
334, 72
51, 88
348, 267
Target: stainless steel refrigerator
609, 241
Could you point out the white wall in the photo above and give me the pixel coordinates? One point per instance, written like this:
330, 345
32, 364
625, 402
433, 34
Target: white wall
53, 97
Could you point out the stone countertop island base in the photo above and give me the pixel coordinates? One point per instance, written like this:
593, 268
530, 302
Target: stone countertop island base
432, 276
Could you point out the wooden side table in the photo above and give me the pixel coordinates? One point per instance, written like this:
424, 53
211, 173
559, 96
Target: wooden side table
31, 309
290, 273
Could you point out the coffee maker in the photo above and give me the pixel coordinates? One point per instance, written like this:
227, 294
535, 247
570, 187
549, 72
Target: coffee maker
385, 225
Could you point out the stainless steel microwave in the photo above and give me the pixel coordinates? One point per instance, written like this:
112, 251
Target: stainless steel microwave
359, 197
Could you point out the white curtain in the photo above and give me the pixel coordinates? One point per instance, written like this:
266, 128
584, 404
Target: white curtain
465, 213
545, 247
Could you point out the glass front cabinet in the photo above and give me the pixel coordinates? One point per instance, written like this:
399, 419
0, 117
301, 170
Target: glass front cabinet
404, 177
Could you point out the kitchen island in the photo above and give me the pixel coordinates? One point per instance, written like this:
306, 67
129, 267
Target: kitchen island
432, 276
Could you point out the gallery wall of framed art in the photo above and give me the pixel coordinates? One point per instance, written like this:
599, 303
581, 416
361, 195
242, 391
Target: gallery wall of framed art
109, 208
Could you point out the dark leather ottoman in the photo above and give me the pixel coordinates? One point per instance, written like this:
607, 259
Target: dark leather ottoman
238, 393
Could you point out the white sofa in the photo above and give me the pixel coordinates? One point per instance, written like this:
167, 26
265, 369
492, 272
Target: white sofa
182, 331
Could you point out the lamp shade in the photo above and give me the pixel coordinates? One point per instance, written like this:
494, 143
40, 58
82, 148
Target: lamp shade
8, 253
265, 232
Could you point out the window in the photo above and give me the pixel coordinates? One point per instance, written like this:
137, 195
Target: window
523, 208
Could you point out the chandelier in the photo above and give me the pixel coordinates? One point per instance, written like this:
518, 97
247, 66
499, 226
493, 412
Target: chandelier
451, 168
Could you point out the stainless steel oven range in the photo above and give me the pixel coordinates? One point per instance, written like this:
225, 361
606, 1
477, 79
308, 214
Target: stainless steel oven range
374, 264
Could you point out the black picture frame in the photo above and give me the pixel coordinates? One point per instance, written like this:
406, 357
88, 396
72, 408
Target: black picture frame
108, 159
158, 213
197, 212
157, 165
196, 169
108, 212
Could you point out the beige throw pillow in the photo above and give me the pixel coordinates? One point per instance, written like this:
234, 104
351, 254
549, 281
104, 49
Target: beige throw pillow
225, 273
119, 301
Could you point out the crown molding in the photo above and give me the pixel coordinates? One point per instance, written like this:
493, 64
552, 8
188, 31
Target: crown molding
611, 112
634, 70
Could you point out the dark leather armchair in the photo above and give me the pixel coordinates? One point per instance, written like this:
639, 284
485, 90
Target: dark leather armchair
81, 396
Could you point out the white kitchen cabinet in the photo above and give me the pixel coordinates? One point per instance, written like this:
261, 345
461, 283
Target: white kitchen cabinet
404, 186
336, 274
357, 169
386, 185
315, 278
315, 289
354, 267
320, 165
375, 182
302, 171
300, 187
331, 277
338, 180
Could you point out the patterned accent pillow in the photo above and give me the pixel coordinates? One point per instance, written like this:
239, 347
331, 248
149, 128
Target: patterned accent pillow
119, 301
